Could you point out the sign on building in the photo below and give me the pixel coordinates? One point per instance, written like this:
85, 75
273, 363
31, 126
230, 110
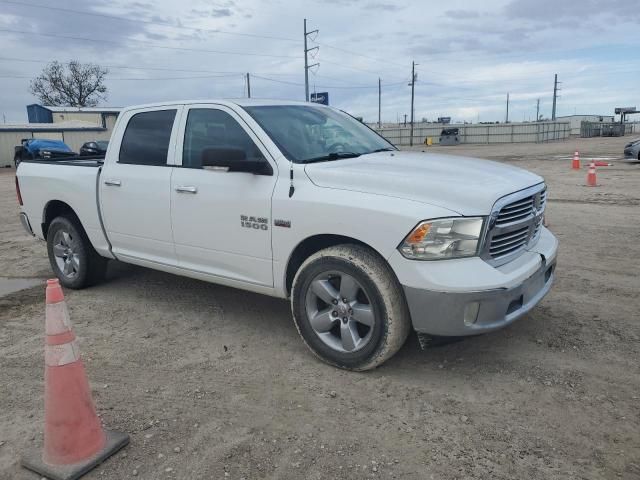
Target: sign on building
320, 97
446, 120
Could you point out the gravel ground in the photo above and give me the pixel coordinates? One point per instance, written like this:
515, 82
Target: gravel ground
213, 382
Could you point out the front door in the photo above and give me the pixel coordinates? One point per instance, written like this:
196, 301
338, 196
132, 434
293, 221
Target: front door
221, 220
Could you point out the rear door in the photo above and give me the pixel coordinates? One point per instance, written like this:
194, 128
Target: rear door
221, 220
135, 186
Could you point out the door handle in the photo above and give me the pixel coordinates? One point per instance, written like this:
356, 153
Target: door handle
113, 183
186, 189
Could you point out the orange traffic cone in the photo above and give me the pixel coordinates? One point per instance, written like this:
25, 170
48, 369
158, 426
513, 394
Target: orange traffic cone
576, 161
74, 441
591, 175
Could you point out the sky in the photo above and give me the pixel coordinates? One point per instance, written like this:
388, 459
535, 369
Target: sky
469, 54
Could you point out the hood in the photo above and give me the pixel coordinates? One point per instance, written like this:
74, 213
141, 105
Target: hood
467, 186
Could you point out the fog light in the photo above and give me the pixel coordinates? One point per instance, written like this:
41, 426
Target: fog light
471, 313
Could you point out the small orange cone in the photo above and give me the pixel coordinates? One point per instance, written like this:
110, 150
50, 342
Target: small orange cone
591, 175
74, 441
576, 161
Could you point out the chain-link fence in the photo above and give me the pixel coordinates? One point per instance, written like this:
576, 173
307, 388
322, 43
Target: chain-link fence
534, 132
596, 129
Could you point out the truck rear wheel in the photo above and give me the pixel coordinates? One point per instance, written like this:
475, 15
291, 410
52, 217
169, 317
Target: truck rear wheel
73, 259
349, 307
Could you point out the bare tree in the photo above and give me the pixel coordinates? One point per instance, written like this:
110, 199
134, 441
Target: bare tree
74, 84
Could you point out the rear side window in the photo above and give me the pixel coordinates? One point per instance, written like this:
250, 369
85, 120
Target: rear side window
146, 139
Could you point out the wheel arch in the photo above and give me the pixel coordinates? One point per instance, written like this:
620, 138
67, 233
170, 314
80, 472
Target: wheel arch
313, 244
56, 208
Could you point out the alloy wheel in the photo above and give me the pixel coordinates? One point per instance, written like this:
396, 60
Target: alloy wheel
339, 311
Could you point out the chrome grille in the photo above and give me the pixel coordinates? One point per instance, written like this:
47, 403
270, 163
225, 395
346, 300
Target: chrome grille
508, 242
514, 224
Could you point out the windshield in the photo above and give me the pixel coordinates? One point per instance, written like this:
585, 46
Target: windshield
102, 144
308, 133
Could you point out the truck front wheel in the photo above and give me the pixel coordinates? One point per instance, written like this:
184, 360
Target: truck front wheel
73, 259
349, 307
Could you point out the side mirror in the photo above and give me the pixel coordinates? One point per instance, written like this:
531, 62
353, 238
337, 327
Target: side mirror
234, 160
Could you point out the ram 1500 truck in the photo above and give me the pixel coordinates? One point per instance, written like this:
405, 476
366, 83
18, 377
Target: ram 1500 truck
302, 201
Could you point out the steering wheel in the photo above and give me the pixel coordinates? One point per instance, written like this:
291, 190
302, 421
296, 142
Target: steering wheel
336, 147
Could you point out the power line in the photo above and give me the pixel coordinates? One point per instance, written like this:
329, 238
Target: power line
227, 75
215, 74
351, 67
123, 67
148, 22
344, 50
140, 78
285, 82
148, 44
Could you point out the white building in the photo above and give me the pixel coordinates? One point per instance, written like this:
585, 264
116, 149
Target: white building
72, 125
104, 117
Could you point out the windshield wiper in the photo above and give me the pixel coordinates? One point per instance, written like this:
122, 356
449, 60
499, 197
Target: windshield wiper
331, 156
387, 149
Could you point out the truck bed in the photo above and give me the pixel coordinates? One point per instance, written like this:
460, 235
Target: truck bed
44, 183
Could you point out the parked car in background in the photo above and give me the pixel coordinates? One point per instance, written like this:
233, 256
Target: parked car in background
36, 148
98, 147
632, 150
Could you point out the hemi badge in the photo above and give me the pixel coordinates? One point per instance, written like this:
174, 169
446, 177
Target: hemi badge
282, 223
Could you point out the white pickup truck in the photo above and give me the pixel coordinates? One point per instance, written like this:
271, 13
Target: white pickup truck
301, 201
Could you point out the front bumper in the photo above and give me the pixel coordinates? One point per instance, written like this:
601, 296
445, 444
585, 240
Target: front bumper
452, 301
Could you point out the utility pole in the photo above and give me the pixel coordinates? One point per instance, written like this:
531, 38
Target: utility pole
379, 103
306, 59
555, 93
248, 86
507, 119
538, 111
405, 119
413, 88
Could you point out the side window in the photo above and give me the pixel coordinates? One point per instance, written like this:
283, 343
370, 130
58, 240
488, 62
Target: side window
209, 128
146, 139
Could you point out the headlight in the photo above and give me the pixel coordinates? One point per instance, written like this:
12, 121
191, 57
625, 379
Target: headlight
443, 238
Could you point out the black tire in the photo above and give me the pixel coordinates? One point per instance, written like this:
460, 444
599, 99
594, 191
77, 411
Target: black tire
383, 294
91, 267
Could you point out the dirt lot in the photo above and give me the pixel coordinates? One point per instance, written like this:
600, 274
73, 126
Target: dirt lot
213, 382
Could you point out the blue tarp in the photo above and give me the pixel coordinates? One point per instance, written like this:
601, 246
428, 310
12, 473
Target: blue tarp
51, 145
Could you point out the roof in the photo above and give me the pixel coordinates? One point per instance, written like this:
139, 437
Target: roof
70, 125
242, 102
83, 109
